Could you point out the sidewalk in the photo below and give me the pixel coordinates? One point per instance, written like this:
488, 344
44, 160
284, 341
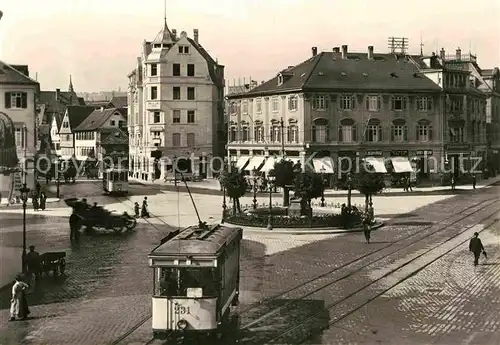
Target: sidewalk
4, 203
213, 185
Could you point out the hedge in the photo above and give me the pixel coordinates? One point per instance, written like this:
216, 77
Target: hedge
316, 221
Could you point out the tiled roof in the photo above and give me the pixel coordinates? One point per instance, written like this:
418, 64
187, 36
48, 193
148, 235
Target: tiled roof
109, 136
212, 64
10, 75
119, 101
77, 114
96, 119
328, 71
54, 106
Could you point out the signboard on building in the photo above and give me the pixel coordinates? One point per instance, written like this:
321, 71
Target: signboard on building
458, 147
399, 153
373, 153
18, 181
424, 152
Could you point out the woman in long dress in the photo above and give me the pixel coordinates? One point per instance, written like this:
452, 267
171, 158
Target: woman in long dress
18, 304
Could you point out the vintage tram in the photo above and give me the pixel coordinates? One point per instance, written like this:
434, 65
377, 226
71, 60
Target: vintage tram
196, 281
115, 181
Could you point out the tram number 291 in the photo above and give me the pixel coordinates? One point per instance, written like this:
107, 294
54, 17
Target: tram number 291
180, 309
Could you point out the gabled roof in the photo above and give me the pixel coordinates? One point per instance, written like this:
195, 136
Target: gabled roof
113, 136
77, 114
10, 75
212, 64
57, 106
327, 71
96, 119
119, 101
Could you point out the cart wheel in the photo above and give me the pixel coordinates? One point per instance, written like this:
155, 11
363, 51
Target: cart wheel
62, 266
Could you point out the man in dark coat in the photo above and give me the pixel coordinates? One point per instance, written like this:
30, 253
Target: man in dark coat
476, 247
74, 226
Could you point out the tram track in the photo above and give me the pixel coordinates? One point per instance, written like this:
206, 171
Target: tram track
267, 300
399, 270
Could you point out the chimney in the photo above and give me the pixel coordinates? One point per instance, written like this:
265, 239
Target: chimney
58, 95
314, 51
459, 53
195, 35
344, 52
174, 33
442, 54
370, 52
336, 50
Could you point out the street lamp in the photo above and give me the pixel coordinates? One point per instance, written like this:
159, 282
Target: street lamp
349, 190
24, 196
322, 171
254, 171
58, 177
269, 218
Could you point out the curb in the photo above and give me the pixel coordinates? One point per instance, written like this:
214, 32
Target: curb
15, 206
310, 231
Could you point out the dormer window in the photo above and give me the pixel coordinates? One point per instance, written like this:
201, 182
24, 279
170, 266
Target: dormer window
280, 79
343, 74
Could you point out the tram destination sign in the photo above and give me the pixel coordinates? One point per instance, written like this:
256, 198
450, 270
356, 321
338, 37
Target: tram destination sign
373, 153
458, 147
424, 152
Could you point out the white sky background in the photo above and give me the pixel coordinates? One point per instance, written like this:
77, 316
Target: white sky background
98, 41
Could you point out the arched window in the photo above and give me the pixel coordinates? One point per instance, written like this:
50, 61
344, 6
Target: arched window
245, 131
275, 131
258, 132
320, 131
347, 131
373, 133
233, 132
423, 132
399, 131
293, 131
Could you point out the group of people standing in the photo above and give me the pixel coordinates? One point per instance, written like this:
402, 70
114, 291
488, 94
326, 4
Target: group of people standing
142, 211
38, 198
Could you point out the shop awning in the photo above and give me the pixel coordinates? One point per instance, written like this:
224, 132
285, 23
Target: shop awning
269, 164
240, 163
378, 164
401, 165
323, 165
255, 163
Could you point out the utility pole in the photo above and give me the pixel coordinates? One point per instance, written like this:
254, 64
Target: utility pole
282, 124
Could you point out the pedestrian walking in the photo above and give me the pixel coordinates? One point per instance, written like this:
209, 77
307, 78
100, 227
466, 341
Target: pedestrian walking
38, 188
144, 211
137, 209
74, 226
18, 304
476, 247
43, 200
33, 265
452, 182
474, 181
367, 229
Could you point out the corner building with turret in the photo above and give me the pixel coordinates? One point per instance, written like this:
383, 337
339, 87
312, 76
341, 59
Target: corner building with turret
175, 107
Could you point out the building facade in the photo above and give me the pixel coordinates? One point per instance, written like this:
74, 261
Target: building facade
345, 107
175, 105
73, 117
19, 103
491, 87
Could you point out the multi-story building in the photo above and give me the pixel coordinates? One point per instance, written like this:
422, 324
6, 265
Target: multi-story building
73, 117
89, 134
491, 87
19, 103
175, 105
345, 106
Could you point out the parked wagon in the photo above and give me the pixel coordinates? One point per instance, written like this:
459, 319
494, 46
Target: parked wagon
53, 261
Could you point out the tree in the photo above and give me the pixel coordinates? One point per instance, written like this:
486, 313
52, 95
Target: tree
308, 186
236, 185
284, 173
369, 183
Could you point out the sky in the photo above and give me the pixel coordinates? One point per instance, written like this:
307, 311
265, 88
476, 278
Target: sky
98, 41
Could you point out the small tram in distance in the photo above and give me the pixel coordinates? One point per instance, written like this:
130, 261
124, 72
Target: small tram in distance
196, 281
115, 181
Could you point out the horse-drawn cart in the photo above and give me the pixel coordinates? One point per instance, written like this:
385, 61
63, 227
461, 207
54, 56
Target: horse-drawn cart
53, 261
97, 217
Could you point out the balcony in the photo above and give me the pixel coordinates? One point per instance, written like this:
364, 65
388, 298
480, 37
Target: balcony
153, 105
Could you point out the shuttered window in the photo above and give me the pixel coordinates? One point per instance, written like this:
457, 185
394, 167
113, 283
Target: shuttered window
16, 100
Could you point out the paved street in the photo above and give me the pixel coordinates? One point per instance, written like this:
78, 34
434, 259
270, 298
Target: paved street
107, 290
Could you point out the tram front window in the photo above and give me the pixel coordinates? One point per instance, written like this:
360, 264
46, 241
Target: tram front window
176, 281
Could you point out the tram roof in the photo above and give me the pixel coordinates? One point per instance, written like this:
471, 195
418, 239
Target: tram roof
197, 242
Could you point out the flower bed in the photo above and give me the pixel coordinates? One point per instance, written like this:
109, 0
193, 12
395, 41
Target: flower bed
260, 220
264, 211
